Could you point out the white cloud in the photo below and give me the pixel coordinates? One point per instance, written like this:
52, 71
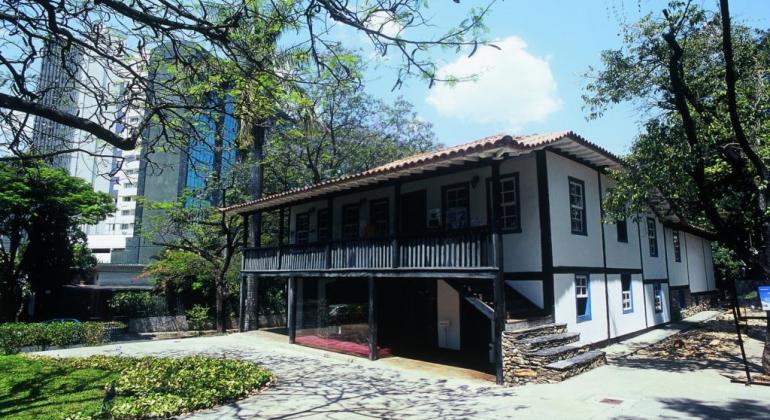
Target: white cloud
512, 87
385, 23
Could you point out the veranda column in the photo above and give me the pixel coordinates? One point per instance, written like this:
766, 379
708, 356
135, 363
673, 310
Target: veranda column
253, 233
291, 320
373, 350
498, 285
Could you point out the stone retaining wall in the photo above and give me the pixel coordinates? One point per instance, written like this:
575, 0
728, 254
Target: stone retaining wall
518, 368
158, 324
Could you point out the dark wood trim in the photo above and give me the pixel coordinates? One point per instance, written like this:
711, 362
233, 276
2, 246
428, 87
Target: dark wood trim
546, 249
498, 286
373, 347
357, 205
281, 227
654, 281
524, 275
665, 254
670, 287
655, 229
641, 264
563, 269
291, 319
245, 231
488, 183
377, 201
584, 231
604, 255
396, 254
444, 189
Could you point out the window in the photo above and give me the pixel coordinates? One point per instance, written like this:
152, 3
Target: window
350, 222
126, 212
510, 209
379, 214
652, 237
625, 284
622, 230
456, 206
125, 226
677, 246
324, 231
127, 198
302, 228
583, 297
657, 292
577, 206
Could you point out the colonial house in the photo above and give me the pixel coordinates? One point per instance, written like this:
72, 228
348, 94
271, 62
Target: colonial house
491, 254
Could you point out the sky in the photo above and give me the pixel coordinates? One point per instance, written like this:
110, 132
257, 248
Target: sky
534, 84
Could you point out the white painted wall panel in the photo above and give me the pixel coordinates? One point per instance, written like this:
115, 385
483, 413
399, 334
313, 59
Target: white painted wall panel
530, 289
654, 267
625, 323
570, 249
696, 264
448, 316
653, 317
522, 250
677, 271
620, 254
566, 310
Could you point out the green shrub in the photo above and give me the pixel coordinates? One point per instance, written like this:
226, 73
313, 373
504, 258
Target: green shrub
197, 317
138, 304
164, 387
14, 336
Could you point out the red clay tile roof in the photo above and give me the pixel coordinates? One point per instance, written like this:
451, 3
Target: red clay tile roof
521, 144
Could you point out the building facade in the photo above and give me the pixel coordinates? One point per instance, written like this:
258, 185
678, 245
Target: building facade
460, 253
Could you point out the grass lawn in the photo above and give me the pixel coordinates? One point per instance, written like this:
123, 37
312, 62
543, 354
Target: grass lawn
48, 388
45, 389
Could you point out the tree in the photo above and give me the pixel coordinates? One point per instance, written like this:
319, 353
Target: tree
337, 128
703, 83
120, 39
41, 244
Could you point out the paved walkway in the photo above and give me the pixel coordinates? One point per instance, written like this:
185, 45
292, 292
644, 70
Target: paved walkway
316, 384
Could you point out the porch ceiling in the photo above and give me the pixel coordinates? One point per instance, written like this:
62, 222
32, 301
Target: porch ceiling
493, 147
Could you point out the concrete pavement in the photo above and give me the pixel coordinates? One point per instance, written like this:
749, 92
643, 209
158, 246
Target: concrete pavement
317, 384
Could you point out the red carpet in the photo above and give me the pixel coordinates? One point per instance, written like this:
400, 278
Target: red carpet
340, 346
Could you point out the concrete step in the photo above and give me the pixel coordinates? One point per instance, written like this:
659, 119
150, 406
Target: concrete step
547, 341
549, 355
575, 365
529, 327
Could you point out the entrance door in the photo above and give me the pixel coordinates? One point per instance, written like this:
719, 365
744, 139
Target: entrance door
413, 212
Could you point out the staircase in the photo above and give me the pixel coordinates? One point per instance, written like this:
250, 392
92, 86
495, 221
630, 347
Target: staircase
480, 295
544, 353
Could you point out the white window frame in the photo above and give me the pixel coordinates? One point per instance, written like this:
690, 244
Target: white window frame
577, 206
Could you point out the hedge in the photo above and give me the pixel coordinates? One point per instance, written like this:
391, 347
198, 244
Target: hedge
15, 336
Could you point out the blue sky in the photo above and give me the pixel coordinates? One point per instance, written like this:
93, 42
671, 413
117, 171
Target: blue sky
535, 83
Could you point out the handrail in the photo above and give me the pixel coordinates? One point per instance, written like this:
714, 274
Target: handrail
444, 233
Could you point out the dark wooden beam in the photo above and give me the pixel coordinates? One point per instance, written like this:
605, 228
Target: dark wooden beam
373, 348
546, 250
604, 256
499, 282
291, 319
487, 273
396, 225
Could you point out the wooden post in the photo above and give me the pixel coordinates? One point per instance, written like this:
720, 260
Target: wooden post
499, 285
372, 319
330, 211
291, 320
279, 252
396, 254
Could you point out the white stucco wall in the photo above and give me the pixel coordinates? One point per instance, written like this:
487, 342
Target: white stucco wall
625, 323
677, 271
696, 264
448, 316
530, 289
656, 318
620, 254
570, 249
566, 311
654, 267
522, 250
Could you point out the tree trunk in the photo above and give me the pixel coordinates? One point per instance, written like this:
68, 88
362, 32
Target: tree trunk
221, 299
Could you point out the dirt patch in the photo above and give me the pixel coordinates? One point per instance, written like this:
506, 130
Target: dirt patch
710, 344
